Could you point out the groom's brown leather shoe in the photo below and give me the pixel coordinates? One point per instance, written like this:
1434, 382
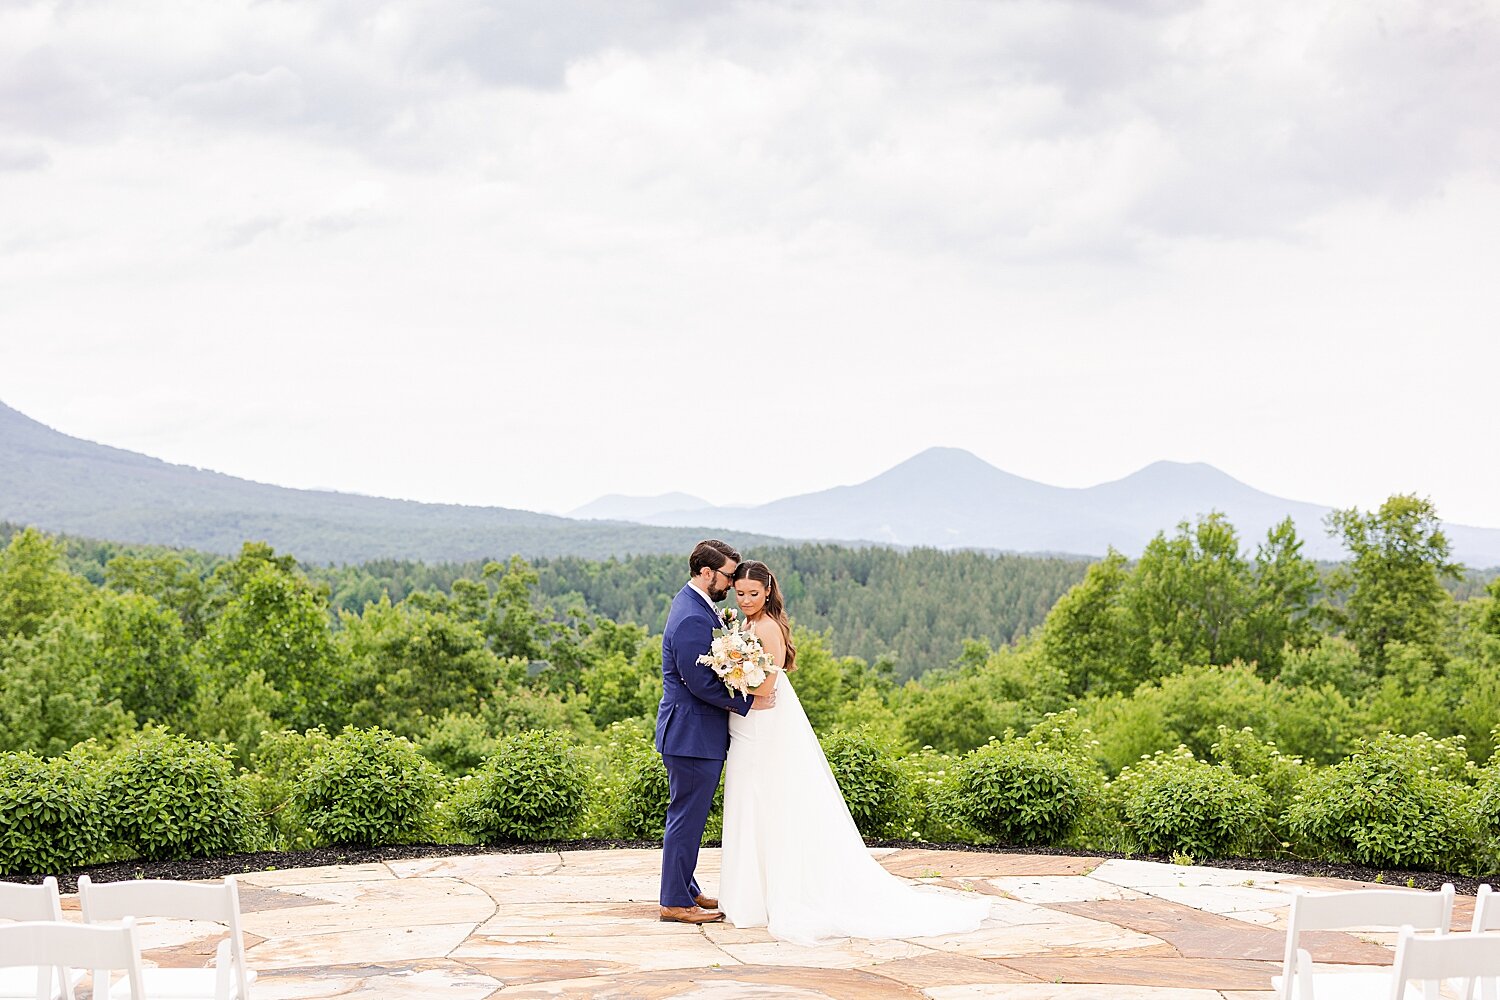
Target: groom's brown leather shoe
690, 915
708, 903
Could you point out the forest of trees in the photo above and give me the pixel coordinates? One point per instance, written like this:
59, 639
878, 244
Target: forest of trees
1211, 695
97, 639
911, 610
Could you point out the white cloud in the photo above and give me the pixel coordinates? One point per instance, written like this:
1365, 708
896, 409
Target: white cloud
505, 254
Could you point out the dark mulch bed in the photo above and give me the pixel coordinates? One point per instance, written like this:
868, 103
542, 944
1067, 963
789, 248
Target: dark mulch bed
237, 864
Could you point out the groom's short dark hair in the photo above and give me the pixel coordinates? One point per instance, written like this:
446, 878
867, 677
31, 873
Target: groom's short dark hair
711, 554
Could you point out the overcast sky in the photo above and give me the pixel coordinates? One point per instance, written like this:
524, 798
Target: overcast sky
524, 254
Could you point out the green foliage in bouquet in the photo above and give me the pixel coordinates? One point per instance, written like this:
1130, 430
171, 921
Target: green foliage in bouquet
1173, 803
51, 814
869, 773
1397, 801
534, 787
368, 786
169, 797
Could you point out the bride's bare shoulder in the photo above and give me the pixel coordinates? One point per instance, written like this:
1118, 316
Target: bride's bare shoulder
768, 632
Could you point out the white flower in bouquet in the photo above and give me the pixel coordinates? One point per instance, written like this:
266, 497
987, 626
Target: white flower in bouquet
737, 656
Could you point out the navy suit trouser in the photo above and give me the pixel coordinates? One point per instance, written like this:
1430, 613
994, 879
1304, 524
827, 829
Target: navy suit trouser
691, 782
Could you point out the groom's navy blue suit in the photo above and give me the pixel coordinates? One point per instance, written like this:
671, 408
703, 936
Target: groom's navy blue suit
692, 734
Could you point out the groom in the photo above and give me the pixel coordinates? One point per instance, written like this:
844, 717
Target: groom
692, 728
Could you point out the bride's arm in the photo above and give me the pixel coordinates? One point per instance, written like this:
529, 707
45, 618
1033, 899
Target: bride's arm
769, 634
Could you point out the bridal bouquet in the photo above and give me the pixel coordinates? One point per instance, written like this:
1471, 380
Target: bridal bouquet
737, 656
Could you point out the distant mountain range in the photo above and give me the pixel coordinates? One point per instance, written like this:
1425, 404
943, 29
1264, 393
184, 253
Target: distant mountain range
943, 497
949, 498
616, 507
64, 484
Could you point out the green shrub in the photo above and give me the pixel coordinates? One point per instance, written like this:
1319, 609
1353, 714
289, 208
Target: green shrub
636, 792
1394, 802
278, 764
869, 774
51, 814
534, 787
607, 762
1487, 801
1021, 792
458, 742
1279, 776
368, 786
930, 814
169, 797
1173, 803
641, 809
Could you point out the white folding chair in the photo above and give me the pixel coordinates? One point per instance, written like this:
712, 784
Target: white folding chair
33, 903
1431, 960
1486, 918
1357, 908
1486, 910
229, 979
55, 944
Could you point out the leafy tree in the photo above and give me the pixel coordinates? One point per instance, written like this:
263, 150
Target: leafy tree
512, 623
825, 683
1189, 599
1084, 635
1393, 584
407, 666
276, 625
229, 579
987, 693
873, 715
1488, 619
1189, 708
141, 654
517, 709
51, 694
167, 577
619, 688
35, 584
236, 713
1283, 614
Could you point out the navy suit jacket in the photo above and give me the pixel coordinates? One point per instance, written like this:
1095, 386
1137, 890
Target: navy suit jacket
691, 720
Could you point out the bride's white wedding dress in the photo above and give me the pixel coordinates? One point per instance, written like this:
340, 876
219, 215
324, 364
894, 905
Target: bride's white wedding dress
793, 861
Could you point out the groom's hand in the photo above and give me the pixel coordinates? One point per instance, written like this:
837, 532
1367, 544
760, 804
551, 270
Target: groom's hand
764, 701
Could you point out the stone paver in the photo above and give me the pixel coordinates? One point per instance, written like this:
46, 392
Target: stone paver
917, 864
583, 924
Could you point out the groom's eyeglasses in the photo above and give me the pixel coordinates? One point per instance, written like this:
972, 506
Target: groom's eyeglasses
726, 576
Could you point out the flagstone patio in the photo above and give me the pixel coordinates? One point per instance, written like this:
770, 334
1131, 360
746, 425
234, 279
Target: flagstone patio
583, 924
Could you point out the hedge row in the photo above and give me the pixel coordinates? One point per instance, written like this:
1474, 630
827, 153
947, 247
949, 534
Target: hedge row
1396, 801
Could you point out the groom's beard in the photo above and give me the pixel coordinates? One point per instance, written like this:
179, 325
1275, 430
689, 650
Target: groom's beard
718, 595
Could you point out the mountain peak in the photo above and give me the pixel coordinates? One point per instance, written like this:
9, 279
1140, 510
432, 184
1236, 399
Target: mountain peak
953, 470
1167, 475
944, 463
945, 456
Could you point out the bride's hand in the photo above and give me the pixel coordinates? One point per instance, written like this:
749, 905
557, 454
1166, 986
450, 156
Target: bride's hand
764, 701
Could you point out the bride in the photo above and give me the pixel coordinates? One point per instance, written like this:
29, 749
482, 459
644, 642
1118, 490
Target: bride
793, 861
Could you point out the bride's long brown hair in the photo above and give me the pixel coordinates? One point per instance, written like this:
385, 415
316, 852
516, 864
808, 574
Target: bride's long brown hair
775, 609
